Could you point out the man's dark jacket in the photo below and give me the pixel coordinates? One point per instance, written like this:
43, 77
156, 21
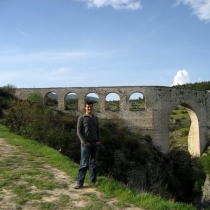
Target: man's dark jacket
88, 129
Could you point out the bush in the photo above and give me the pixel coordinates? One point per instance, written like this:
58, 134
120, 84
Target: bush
206, 163
188, 176
185, 133
36, 98
44, 125
9, 89
6, 96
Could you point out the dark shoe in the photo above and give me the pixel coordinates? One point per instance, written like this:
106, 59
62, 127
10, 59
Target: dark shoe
78, 186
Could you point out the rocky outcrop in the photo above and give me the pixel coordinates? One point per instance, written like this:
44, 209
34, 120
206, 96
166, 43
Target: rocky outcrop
143, 176
205, 201
3, 113
172, 176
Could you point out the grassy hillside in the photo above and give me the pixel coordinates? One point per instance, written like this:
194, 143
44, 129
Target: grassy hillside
179, 126
59, 132
111, 188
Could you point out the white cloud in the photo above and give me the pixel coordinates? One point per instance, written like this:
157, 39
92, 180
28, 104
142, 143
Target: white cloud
116, 4
181, 77
199, 79
201, 8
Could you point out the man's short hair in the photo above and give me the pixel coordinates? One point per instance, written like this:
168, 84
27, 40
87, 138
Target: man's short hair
88, 103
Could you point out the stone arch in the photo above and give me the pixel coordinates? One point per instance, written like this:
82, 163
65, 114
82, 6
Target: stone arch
71, 101
112, 102
193, 140
194, 147
51, 99
137, 102
93, 97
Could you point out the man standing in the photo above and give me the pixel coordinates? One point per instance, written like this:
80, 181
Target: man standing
89, 135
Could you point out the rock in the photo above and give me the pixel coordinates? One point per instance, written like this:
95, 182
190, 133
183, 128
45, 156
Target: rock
205, 201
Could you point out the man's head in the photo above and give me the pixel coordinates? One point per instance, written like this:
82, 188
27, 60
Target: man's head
88, 107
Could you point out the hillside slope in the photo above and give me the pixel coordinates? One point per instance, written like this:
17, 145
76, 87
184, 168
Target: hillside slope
28, 182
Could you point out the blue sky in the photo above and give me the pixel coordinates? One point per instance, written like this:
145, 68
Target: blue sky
87, 43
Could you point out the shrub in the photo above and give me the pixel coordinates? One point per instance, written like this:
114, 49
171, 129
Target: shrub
36, 98
6, 96
185, 133
44, 125
206, 163
9, 89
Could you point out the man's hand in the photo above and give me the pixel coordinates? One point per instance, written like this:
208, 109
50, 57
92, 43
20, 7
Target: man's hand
87, 144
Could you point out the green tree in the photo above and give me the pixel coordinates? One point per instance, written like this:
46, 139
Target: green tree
10, 89
36, 98
205, 85
7, 95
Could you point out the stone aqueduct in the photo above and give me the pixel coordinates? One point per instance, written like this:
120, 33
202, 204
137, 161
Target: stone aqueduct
154, 120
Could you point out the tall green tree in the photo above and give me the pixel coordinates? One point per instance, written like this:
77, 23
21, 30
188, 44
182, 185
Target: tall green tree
36, 98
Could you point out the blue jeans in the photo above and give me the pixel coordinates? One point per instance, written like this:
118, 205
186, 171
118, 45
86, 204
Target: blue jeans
89, 156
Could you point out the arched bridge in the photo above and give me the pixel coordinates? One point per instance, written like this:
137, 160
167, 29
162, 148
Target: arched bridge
154, 119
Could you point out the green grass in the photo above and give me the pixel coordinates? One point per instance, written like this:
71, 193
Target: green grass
183, 126
47, 206
112, 189
180, 114
182, 140
206, 163
96, 203
24, 195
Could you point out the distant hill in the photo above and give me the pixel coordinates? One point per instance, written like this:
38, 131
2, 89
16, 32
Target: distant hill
91, 98
52, 95
72, 96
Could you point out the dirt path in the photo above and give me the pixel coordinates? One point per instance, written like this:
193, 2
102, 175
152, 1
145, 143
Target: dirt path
31, 184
